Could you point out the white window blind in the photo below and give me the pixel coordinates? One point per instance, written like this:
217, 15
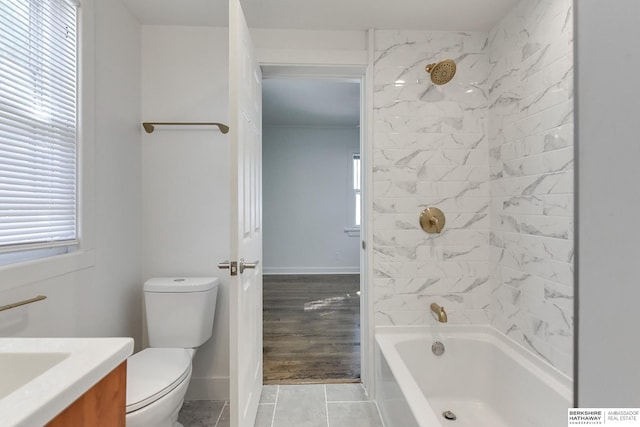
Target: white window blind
38, 129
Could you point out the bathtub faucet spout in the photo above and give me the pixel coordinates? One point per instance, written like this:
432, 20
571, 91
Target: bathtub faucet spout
439, 311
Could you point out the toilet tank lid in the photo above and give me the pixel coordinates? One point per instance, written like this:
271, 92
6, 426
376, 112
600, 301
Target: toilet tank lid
180, 284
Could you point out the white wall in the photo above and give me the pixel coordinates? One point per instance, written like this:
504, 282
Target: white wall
310, 47
608, 203
118, 176
185, 200
95, 292
306, 200
185, 176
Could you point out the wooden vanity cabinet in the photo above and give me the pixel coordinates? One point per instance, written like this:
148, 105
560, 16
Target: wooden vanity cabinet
103, 405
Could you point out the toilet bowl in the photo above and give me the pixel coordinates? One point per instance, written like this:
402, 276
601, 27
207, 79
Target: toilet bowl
180, 315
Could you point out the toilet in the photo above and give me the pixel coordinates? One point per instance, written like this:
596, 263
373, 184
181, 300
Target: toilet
180, 315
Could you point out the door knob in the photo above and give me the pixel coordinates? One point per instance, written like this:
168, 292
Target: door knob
245, 265
232, 266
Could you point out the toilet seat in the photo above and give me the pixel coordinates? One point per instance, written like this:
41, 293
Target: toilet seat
153, 373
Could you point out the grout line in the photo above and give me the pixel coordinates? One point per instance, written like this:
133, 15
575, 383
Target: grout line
379, 413
365, 391
220, 414
275, 406
326, 403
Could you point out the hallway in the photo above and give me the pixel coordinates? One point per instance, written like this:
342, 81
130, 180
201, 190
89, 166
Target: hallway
311, 328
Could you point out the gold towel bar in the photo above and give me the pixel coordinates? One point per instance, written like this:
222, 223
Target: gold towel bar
18, 304
149, 126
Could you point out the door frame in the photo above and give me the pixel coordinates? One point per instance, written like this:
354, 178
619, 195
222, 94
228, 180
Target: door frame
362, 73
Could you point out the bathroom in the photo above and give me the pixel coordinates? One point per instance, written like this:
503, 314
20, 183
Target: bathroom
149, 206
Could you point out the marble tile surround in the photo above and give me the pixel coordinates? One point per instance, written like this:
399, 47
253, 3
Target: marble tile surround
531, 182
493, 150
430, 149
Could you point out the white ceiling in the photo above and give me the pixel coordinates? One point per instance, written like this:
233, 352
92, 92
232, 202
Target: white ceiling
317, 102
444, 15
307, 102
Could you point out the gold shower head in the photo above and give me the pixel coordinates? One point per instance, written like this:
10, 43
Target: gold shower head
442, 72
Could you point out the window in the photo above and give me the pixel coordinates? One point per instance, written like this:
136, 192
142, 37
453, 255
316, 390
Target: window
38, 127
356, 188
354, 196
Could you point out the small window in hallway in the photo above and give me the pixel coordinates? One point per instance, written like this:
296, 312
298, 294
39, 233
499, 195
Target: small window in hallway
356, 189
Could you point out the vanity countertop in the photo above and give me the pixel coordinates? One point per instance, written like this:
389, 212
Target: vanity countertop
40, 377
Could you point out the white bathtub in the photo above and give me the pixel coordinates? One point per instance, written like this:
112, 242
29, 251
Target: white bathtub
483, 377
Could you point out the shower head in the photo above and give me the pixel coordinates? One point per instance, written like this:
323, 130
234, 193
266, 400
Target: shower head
442, 72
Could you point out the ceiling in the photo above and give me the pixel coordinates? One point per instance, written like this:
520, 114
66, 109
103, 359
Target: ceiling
304, 102
441, 15
309, 102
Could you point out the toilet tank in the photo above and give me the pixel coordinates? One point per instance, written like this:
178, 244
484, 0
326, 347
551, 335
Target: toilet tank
180, 310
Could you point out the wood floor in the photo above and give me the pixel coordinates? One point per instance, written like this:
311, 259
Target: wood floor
311, 328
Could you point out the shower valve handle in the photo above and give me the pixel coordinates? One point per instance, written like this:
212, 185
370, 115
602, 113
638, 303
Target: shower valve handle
432, 220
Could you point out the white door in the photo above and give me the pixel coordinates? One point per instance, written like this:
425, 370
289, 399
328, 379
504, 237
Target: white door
245, 122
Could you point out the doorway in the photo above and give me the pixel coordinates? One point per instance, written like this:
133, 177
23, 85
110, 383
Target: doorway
312, 224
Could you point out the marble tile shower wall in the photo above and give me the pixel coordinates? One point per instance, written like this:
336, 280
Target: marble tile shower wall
430, 149
531, 160
493, 150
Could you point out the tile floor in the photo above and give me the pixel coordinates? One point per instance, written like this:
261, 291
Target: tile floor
316, 405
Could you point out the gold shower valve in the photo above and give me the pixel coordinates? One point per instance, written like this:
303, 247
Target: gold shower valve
432, 220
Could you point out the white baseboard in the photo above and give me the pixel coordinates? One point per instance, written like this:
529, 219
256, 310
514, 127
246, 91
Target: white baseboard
311, 270
208, 389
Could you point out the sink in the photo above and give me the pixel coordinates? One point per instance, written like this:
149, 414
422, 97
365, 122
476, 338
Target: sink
40, 377
17, 369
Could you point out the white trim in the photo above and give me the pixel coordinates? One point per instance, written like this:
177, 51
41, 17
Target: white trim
345, 73
310, 126
311, 270
347, 64
16, 257
28, 247
208, 388
367, 339
297, 57
86, 126
15, 275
